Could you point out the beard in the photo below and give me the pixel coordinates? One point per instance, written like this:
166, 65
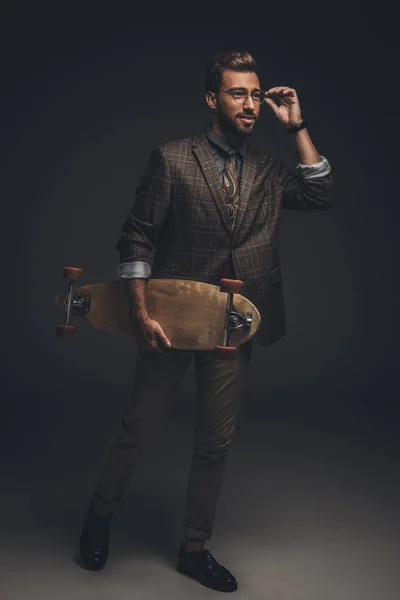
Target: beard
232, 126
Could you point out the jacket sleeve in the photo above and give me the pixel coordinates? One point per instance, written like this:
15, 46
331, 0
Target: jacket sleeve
301, 192
143, 223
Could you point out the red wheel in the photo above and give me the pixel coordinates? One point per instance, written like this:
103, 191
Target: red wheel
225, 352
231, 286
72, 273
65, 331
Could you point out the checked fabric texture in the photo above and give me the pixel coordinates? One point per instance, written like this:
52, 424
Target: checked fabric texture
230, 186
179, 221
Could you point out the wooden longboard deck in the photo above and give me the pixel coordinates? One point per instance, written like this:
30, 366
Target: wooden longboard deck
192, 313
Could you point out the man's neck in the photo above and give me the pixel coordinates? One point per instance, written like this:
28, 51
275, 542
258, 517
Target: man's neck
234, 141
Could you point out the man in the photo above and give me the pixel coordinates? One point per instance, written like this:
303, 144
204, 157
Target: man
206, 207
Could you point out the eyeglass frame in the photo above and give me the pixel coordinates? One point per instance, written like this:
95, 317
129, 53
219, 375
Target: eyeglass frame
230, 92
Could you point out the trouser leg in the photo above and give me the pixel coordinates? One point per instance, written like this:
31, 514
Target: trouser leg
220, 388
156, 381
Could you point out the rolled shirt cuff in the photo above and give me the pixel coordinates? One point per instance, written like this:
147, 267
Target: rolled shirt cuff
134, 269
319, 169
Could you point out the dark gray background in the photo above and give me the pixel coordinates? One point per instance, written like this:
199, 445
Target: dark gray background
86, 98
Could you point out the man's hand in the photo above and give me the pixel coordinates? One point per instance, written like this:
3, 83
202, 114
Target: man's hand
150, 335
285, 104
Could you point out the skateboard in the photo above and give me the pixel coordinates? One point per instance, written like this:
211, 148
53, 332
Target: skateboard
194, 315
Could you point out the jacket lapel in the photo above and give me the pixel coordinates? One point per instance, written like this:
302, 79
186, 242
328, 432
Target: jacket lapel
246, 185
201, 148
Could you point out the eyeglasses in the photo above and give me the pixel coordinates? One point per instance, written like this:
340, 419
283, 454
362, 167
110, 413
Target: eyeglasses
240, 96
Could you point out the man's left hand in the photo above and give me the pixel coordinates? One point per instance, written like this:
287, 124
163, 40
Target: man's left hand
285, 104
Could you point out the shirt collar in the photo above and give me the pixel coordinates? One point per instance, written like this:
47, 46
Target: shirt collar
222, 143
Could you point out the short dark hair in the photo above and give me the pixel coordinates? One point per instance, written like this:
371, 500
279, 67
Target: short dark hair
234, 61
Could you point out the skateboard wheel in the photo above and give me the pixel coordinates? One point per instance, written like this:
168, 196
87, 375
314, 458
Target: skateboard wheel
72, 273
65, 331
231, 286
225, 352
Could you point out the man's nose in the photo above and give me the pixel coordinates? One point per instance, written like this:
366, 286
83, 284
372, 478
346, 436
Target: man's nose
249, 102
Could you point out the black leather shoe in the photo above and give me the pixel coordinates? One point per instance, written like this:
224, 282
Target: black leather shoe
94, 540
201, 565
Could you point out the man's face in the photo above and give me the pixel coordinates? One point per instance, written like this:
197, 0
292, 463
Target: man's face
238, 119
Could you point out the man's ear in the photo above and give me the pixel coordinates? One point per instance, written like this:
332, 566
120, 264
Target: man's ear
211, 100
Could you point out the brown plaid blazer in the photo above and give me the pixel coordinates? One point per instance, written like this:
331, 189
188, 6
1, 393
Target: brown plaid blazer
179, 222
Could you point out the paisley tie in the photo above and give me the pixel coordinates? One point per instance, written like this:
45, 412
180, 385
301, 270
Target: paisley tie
230, 187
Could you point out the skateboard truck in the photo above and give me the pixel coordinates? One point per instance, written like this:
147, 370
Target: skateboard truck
81, 303
233, 319
238, 320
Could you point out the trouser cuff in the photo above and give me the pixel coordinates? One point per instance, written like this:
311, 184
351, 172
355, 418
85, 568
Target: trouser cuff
101, 508
196, 534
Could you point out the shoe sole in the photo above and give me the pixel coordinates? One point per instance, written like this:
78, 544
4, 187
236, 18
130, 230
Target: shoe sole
194, 574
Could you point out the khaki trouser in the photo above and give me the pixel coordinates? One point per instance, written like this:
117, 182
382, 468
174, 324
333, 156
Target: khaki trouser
220, 385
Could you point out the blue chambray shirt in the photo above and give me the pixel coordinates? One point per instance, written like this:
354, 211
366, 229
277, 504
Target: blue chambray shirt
220, 148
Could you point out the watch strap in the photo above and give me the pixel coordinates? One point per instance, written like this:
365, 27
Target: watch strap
298, 127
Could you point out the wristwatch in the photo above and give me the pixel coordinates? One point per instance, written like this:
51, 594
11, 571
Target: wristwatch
294, 128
